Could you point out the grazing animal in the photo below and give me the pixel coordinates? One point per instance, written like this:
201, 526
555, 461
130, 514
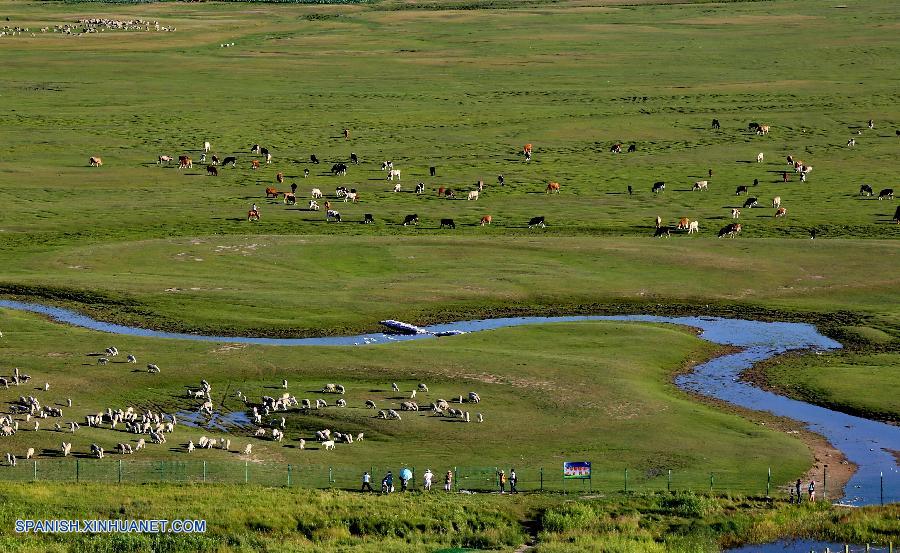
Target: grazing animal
693, 227
385, 165
553, 187
254, 164
658, 187
230, 159
420, 188
184, 162
473, 195
339, 169
272, 192
683, 223
616, 149
662, 231
332, 214
215, 160
735, 213
753, 126
759, 157
368, 218
351, 197
701, 185
248, 449
632, 148
253, 215
440, 191
164, 159
95, 161
131, 359
393, 173
741, 190
328, 444
780, 212
354, 159
268, 158
730, 230
715, 124
486, 220
290, 198
206, 147
279, 178
316, 193
398, 187
448, 223
536, 222
305, 173
865, 190
432, 171
411, 220
448, 193
886, 194
527, 149
751, 202
212, 171
762, 129
314, 159
776, 202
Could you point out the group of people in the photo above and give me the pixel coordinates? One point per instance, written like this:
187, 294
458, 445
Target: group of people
387, 483
798, 496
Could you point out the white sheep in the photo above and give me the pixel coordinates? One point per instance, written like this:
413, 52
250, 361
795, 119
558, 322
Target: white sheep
140, 445
152, 369
423, 388
328, 445
302, 444
359, 437
132, 359
248, 450
30, 453
66, 448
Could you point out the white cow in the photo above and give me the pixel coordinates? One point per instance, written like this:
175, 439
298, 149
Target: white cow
473, 195
316, 193
759, 157
207, 146
693, 226
776, 202
393, 173
701, 185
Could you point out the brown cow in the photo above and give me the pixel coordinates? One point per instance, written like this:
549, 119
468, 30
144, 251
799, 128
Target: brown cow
441, 191
553, 187
780, 212
279, 178
730, 230
254, 164
683, 223
527, 149
272, 192
486, 220
95, 161
184, 162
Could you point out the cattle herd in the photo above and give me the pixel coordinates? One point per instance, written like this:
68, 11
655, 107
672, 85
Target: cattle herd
392, 174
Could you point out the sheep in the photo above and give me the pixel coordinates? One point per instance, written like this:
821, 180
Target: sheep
152, 369
190, 446
30, 453
140, 444
248, 449
305, 404
260, 432
423, 388
321, 403
329, 389
370, 404
474, 397
328, 445
341, 403
340, 389
131, 359
66, 448
480, 417
359, 437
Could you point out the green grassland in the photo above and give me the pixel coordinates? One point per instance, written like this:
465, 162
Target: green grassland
259, 519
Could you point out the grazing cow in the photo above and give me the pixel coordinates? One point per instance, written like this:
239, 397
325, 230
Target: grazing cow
184, 162
254, 164
553, 187
354, 159
753, 126
441, 191
411, 220
781, 212
527, 149
316, 193
658, 187
735, 213
351, 197
327, 205
385, 165
730, 230
272, 192
253, 215
693, 227
332, 214
762, 129
212, 171
393, 173
871, 124
214, 160
662, 231
432, 171
760, 157
536, 222
313, 205
851, 143
701, 185
264, 152
448, 193
279, 178
473, 195
339, 169
632, 148
897, 215
254, 149
865, 190
290, 198
206, 147
314, 159
751, 202
305, 173
368, 218
420, 188
741, 190
203, 158
886, 194
683, 223
398, 187
340, 191
616, 149
501, 180
164, 159
715, 124
776, 202
448, 223
486, 220
231, 160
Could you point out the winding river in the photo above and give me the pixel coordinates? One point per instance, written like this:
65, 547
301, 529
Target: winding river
864, 442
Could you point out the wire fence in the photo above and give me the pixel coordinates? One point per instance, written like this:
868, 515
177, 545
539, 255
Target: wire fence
470, 478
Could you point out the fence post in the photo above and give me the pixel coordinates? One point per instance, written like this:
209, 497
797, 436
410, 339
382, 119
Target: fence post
35, 470
542, 480
246, 472
204, 471
824, 482
120, 471
626, 480
710, 482
289, 475
456, 477
77, 471
669, 483
882, 499
769, 482
330, 477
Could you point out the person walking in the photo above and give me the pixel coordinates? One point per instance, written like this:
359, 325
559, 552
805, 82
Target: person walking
367, 482
512, 481
427, 479
797, 486
501, 478
448, 481
812, 491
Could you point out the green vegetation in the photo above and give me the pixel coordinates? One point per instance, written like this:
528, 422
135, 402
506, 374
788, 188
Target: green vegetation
254, 519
